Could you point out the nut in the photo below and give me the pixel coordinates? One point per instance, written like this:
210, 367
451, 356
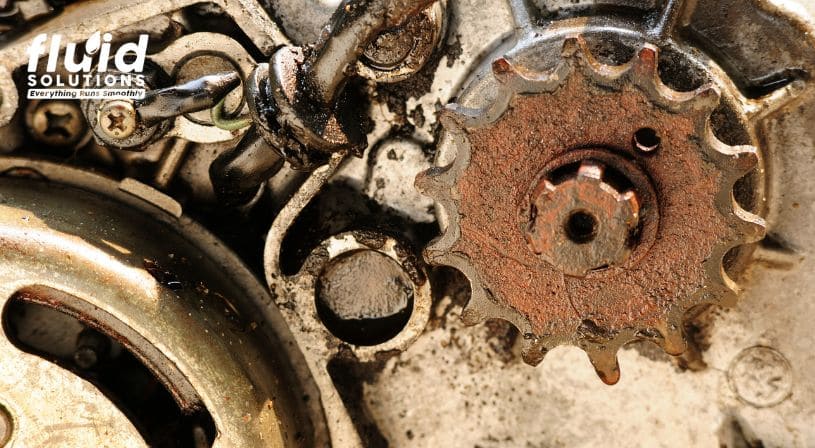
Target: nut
389, 49
583, 223
117, 119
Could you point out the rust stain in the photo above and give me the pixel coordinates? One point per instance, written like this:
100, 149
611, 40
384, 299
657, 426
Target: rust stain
508, 156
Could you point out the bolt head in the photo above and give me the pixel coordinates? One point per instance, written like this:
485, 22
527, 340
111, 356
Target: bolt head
57, 123
117, 119
85, 357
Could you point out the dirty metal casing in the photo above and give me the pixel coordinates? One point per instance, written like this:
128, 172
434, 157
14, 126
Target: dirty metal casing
296, 99
296, 297
102, 252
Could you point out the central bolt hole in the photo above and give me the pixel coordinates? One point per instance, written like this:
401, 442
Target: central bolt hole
581, 227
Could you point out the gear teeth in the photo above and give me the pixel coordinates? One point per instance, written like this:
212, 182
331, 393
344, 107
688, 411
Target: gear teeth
733, 162
577, 50
644, 72
481, 308
572, 45
512, 79
736, 161
645, 62
478, 310
503, 70
706, 97
432, 180
455, 117
673, 339
751, 226
520, 79
605, 364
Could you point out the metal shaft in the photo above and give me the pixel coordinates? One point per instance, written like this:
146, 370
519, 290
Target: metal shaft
237, 174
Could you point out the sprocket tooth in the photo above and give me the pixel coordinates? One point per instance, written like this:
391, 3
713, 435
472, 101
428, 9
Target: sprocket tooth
532, 352
470, 317
673, 339
606, 365
503, 70
455, 117
740, 159
573, 45
705, 98
577, 51
644, 65
751, 227
432, 181
436, 252
722, 290
745, 159
735, 161
728, 299
519, 79
477, 310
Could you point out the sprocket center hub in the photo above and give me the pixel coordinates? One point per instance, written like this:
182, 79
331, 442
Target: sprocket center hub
588, 211
653, 238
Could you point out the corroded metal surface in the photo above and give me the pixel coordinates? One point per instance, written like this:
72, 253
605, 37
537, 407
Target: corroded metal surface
583, 103
582, 224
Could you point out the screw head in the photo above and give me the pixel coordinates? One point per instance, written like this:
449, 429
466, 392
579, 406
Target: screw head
117, 119
56, 123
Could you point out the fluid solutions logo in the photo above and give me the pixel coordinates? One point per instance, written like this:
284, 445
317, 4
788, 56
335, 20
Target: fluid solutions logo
93, 74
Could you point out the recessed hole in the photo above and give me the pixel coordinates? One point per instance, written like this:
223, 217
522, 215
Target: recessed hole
646, 140
99, 358
581, 227
364, 297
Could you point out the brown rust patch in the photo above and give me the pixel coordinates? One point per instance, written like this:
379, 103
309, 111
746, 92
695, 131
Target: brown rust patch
507, 157
582, 223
